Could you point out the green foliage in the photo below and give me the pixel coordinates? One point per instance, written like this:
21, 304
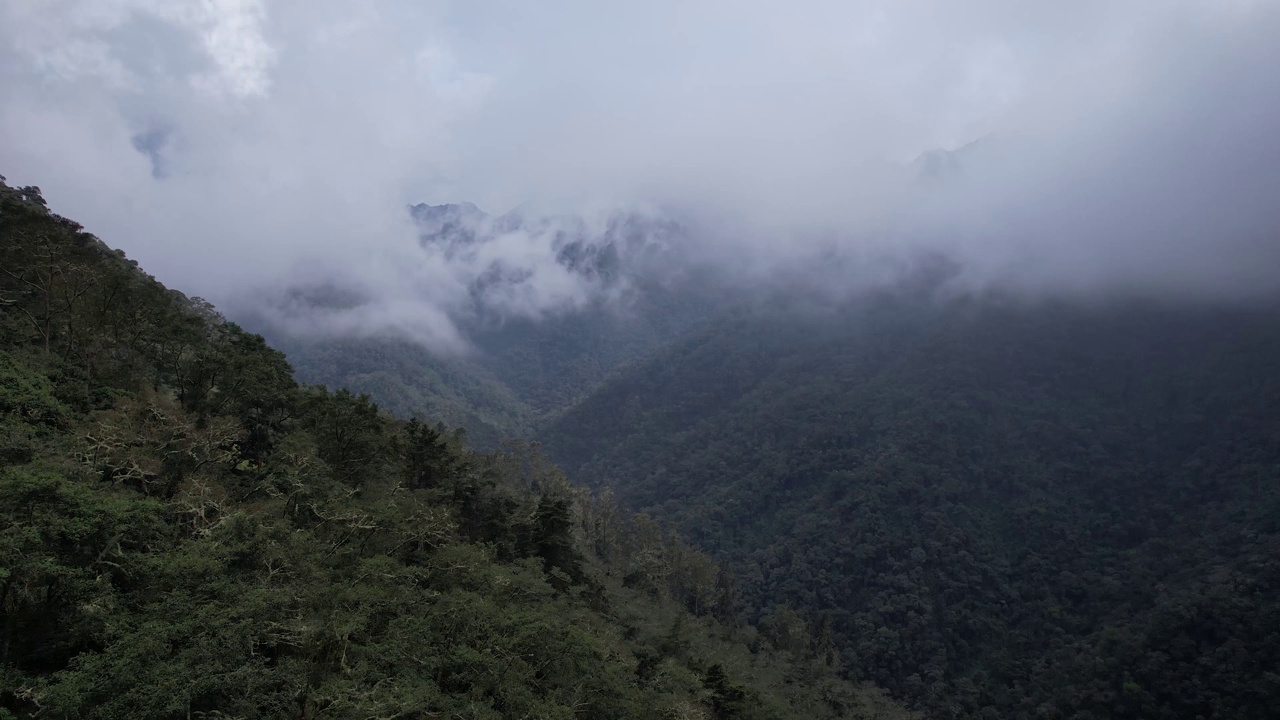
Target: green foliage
986, 505
185, 532
29, 411
728, 699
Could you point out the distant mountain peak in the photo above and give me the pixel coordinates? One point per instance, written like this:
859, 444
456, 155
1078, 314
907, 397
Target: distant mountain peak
942, 164
601, 255
425, 211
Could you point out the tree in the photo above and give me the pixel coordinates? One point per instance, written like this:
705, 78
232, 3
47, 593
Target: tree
428, 458
350, 435
553, 541
728, 699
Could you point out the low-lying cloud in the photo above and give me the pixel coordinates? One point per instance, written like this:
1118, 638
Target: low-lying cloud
236, 145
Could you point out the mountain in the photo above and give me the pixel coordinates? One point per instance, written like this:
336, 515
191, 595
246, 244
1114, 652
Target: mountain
942, 166
547, 306
993, 506
185, 531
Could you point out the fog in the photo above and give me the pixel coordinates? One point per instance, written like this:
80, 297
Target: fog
239, 148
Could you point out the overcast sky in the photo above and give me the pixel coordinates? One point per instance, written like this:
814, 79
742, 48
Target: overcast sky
227, 143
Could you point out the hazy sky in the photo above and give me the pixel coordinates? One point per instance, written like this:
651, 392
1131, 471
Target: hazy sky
227, 143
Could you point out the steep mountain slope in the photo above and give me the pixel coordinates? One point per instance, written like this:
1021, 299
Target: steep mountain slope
186, 532
994, 507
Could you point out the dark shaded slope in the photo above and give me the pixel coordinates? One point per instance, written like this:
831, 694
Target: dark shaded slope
988, 506
552, 362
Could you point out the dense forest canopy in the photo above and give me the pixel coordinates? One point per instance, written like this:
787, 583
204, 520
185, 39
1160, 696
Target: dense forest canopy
993, 506
185, 532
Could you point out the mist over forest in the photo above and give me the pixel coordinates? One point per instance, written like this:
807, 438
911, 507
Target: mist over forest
715, 360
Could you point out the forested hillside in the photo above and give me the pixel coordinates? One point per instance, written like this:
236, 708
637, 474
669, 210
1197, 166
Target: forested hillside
187, 532
994, 507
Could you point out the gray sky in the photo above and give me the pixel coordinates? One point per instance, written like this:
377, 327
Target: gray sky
229, 143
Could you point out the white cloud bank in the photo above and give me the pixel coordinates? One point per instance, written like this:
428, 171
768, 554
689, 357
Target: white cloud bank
227, 144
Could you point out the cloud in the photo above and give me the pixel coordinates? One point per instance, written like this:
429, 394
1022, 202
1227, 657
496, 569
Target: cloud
1160, 179
228, 144
231, 145
73, 39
